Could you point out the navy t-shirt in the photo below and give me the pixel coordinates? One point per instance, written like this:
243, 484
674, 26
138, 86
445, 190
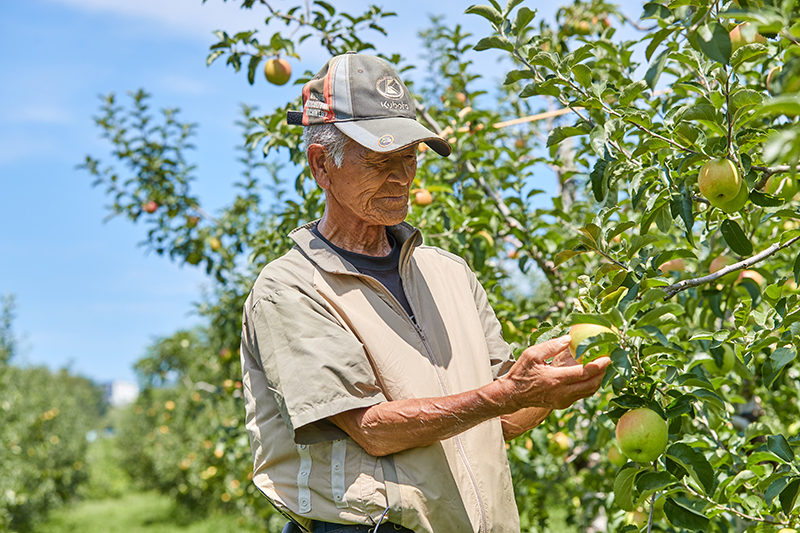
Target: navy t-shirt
384, 269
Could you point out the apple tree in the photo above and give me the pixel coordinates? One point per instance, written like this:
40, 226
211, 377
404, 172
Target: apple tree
44, 419
700, 292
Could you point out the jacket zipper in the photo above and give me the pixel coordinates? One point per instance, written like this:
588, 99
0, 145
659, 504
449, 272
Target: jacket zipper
429, 354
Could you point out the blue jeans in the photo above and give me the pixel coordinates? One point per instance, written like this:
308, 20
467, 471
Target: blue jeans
328, 527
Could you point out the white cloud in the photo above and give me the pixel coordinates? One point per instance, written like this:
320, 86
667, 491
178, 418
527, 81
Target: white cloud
42, 113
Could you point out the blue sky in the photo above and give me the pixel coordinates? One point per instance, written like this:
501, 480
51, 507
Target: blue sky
88, 297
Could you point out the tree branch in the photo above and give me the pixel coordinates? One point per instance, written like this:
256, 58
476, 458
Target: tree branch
675, 288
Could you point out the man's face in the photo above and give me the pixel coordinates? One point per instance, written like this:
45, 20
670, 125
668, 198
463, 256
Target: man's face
373, 187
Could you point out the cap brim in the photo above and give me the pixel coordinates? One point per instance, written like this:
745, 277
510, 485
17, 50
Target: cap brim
392, 134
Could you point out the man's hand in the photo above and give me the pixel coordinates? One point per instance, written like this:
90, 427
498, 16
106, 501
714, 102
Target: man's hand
547, 376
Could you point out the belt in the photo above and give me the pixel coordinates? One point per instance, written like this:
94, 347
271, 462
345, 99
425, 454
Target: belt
329, 527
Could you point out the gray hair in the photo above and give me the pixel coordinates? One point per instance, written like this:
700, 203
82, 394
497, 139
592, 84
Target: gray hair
330, 137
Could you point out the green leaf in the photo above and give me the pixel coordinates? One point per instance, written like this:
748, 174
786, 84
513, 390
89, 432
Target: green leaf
566, 255
516, 75
763, 199
776, 487
778, 445
598, 177
524, 17
713, 40
656, 68
681, 516
650, 482
796, 269
588, 318
652, 317
735, 237
251, 68
584, 51
623, 488
788, 496
631, 92
695, 463
487, 12
583, 74
495, 41
748, 52
785, 104
560, 133
640, 241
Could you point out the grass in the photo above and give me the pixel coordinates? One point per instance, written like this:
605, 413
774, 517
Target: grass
142, 512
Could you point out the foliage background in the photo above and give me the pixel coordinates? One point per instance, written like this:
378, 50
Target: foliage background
627, 158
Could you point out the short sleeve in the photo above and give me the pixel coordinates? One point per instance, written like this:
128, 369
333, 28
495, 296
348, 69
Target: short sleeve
501, 357
314, 367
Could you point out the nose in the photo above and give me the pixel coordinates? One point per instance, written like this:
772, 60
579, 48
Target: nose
402, 169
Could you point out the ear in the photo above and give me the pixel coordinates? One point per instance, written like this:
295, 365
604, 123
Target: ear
317, 158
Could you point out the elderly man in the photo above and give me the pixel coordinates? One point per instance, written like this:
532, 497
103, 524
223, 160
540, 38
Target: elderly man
378, 387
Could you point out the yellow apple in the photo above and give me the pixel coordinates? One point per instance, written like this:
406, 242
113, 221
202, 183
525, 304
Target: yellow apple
580, 332
642, 435
719, 181
277, 71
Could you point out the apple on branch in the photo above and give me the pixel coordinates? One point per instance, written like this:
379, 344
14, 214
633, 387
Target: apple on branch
782, 187
277, 71
719, 181
673, 265
642, 435
580, 332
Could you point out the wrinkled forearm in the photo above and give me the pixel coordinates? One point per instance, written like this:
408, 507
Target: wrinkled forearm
394, 426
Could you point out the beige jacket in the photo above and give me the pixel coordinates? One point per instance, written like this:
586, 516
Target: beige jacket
319, 338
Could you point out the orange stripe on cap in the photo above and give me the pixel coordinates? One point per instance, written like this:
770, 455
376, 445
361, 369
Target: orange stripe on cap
306, 96
327, 87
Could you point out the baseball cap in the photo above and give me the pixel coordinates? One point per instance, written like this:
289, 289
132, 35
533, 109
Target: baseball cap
363, 96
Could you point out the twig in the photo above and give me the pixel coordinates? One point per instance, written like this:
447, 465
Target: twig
675, 288
767, 172
730, 509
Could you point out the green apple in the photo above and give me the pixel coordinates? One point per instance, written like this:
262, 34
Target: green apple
719, 181
642, 435
615, 455
782, 187
728, 360
738, 202
580, 332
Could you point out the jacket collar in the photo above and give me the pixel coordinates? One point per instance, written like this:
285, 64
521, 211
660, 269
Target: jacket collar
323, 255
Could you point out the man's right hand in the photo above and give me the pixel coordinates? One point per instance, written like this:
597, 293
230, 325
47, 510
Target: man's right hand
534, 381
